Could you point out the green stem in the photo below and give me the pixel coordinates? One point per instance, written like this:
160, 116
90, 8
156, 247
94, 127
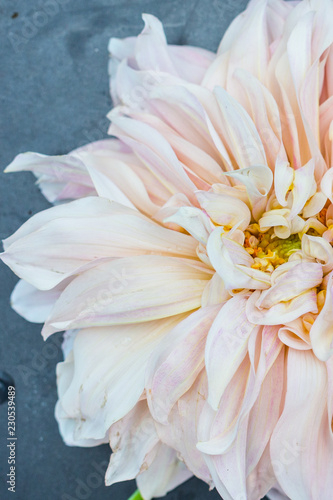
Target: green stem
136, 496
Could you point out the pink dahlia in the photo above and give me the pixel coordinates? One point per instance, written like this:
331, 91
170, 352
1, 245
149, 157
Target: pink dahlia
193, 272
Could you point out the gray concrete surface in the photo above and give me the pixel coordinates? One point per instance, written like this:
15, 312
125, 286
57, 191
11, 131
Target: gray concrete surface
54, 97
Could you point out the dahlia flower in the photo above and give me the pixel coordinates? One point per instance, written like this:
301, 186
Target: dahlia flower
189, 260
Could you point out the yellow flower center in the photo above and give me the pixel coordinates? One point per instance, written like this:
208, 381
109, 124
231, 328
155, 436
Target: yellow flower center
267, 250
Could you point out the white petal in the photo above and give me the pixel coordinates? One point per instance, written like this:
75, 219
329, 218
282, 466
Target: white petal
165, 474
233, 263
105, 361
32, 304
132, 439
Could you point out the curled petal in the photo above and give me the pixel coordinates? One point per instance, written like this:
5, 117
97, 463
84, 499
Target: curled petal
319, 249
321, 333
194, 221
59, 177
295, 335
304, 187
233, 263
315, 204
225, 210
283, 178
258, 180
282, 312
290, 283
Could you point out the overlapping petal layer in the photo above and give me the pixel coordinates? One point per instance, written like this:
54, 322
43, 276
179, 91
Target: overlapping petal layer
192, 262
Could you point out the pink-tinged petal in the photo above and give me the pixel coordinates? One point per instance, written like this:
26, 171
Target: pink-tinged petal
191, 62
60, 247
217, 72
32, 304
176, 365
282, 312
290, 282
321, 333
189, 408
265, 413
224, 210
264, 111
183, 111
132, 439
239, 132
181, 433
246, 43
309, 94
262, 478
107, 189
233, 263
155, 152
59, 177
329, 366
229, 429
300, 62
119, 176
129, 290
228, 469
119, 163
202, 167
104, 361
214, 292
298, 442
165, 473
242, 392
280, 80
150, 51
226, 346
294, 334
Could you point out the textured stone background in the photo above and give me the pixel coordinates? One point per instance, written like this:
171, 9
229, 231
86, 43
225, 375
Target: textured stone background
54, 97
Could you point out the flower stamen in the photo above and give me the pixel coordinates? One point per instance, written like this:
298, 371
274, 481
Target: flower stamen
268, 251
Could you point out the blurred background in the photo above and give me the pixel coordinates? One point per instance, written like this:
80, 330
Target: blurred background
54, 97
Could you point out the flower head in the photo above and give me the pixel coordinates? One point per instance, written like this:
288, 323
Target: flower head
193, 272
